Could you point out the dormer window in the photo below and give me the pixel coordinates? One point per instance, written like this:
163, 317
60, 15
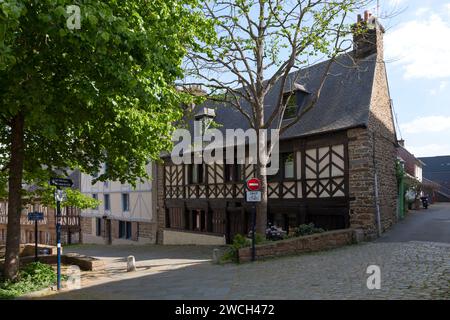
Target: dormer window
290, 101
294, 101
203, 120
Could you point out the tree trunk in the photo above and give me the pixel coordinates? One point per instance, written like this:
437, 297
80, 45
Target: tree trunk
261, 167
14, 197
261, 209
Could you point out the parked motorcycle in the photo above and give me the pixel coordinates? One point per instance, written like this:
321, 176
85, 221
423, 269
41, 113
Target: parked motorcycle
424, 202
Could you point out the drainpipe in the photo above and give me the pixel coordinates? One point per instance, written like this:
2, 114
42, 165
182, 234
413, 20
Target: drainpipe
377, 205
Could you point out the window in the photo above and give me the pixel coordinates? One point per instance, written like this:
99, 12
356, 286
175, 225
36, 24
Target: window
125, 202
197, 219
106, 202
196, 174
95, 197
98, 227
291, 105
288, 164
125, 230
229, 173
233, 172
295, 101
275, 176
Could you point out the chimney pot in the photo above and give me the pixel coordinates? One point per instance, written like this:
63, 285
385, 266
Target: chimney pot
366, 15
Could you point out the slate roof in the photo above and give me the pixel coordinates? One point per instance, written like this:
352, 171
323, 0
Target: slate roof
344, 101
437, 169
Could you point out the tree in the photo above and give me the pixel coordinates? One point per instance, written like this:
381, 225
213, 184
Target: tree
259, 43
77, 98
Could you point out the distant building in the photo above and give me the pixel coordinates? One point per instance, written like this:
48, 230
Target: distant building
125, 214
70, 231
413, 166
437, 169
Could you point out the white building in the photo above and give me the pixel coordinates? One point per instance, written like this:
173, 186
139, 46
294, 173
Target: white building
126, 215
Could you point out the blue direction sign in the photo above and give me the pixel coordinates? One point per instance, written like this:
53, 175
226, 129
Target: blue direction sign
61, 182
35, 216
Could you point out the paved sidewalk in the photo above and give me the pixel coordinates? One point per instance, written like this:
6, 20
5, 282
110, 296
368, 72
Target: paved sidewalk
414, 270
431, 225
410, 269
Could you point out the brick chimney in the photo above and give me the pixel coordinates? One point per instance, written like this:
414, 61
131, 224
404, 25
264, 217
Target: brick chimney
368, 36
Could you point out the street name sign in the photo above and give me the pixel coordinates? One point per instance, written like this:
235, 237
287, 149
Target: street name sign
61, 182
35, 216
253, 196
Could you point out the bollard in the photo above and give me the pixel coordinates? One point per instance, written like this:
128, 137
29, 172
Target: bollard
216, 256
131, 264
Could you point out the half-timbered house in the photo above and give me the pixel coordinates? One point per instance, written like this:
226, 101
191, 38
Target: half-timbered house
70, 223
337, 165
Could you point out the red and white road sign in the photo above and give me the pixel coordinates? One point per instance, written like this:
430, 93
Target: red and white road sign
253, 184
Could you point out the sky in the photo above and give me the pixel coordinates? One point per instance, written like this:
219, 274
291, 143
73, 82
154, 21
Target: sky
417, 55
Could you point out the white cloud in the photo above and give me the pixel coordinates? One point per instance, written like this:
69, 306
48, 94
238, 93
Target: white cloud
421, 47
422, 11
426, 125
430, 150
442, 86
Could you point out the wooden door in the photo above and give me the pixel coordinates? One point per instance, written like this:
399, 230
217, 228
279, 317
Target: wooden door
236, 223
219, 221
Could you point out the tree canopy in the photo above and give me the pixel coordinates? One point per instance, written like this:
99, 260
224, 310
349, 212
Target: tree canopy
103, 93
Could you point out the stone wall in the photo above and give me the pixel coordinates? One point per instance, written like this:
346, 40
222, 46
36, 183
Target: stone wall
175, 237
381, 124
315, 242
372, 157
361, 181
142, 232
147, 231
86, 225
385, 156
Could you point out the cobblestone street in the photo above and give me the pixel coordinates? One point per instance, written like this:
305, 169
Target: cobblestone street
409, 270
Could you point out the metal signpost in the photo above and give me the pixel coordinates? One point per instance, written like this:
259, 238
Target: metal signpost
35, 216
253, 195
60, 195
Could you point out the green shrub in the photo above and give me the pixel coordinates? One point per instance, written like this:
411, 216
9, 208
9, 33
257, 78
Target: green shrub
32, 277
307, 229
259, 238
240, 241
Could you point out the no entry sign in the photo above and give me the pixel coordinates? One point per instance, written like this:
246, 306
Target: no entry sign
253, 184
